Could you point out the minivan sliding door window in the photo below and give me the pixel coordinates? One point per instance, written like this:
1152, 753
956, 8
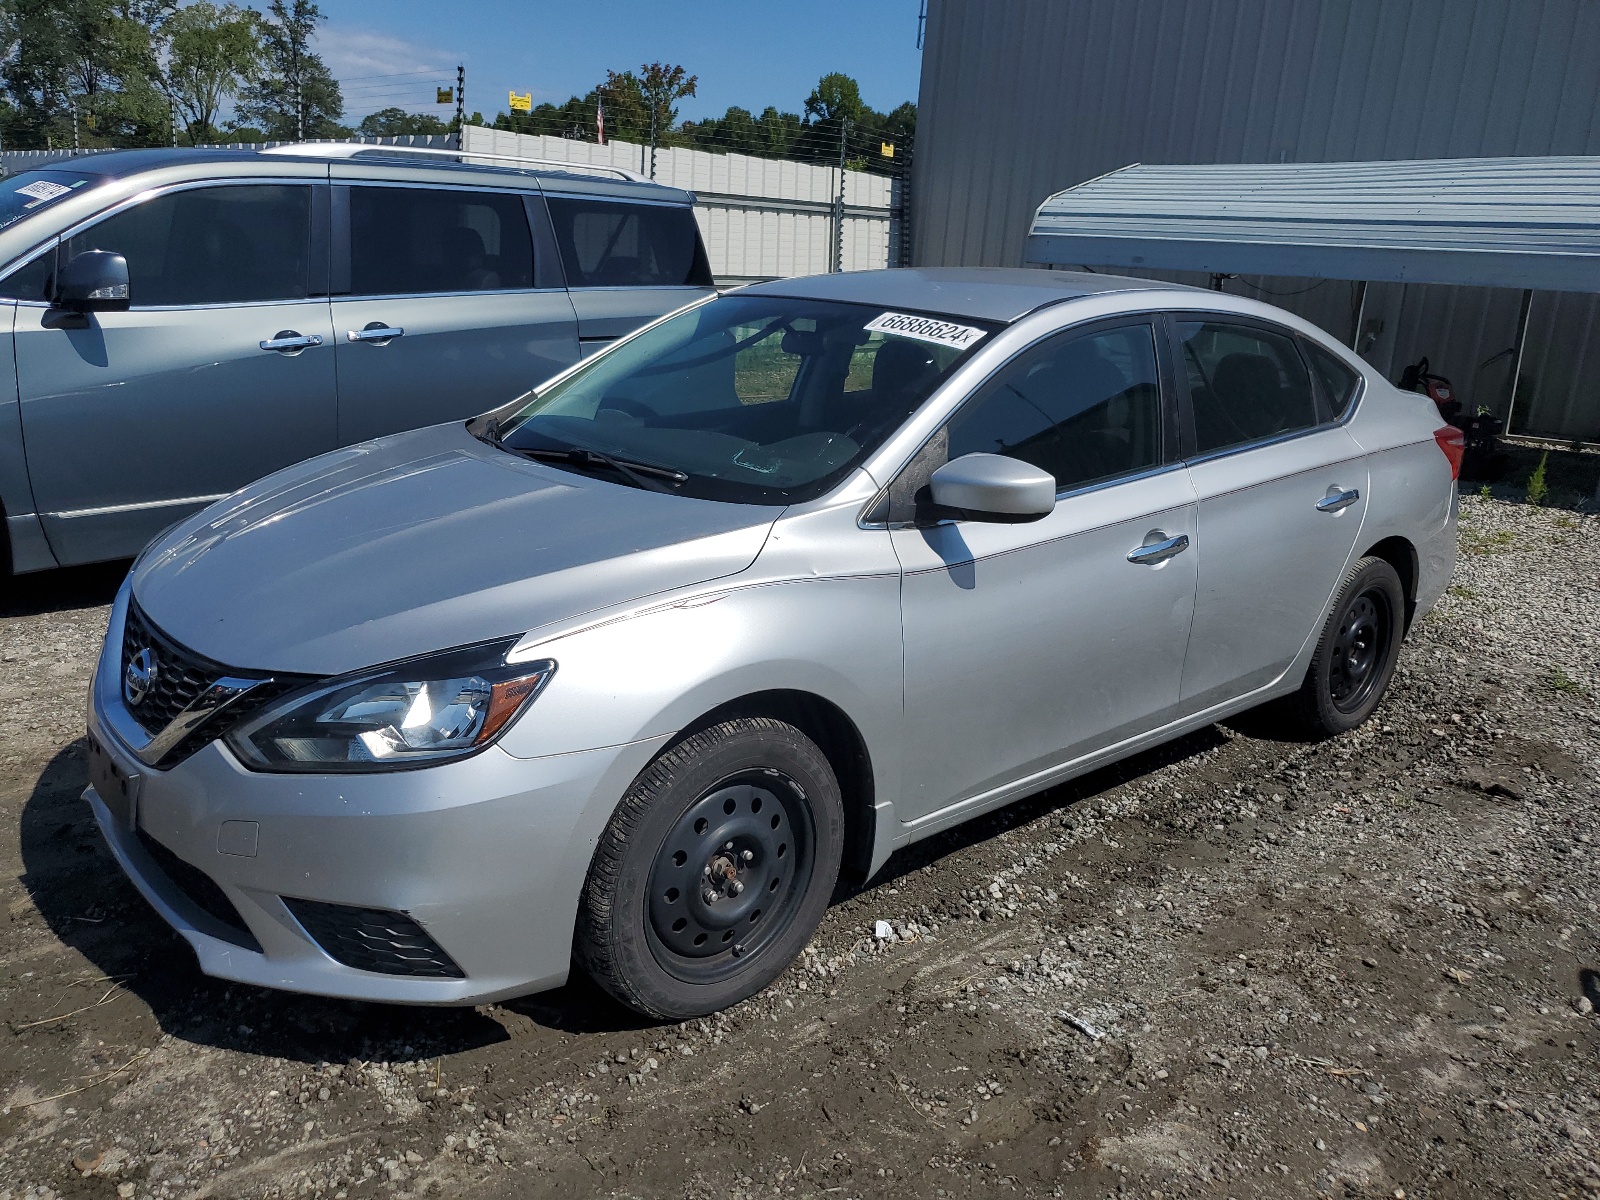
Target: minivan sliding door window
419, 241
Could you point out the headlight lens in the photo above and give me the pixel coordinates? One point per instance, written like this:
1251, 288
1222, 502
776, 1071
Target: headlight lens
411, 714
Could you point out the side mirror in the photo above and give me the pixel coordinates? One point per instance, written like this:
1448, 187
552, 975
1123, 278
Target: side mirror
94, 281
991, 487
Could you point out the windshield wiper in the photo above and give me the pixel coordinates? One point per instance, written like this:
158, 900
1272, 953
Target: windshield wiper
643, 474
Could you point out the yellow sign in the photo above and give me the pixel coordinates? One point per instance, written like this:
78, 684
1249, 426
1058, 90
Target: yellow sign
444, 95
886, 149
522, 103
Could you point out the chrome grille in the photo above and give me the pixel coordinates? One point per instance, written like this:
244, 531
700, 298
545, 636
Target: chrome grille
178, 678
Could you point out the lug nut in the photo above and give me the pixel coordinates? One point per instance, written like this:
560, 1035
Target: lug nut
709, 896
736, 887
707, 871
727, 845
748, 855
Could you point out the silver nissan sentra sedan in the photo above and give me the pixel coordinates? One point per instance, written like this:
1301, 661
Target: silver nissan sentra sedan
625, 673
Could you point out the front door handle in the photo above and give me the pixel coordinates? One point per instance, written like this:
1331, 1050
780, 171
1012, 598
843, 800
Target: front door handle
375, 331
291, 341
1337, 500
1152, 553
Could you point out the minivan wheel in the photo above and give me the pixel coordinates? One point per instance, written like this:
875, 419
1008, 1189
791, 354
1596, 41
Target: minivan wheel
1356, 654
714, 871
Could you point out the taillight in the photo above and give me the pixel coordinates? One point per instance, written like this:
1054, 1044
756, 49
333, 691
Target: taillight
1454, 444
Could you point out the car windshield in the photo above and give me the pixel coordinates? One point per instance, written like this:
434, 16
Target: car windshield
752, 399
33, 191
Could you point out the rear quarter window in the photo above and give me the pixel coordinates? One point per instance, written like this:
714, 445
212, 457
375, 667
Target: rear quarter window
1338, 381
606, 243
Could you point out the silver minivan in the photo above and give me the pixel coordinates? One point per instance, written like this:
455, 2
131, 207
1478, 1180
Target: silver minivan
184, 322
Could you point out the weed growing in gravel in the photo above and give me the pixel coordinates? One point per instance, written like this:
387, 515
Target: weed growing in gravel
1460, 591
1538, 489
1562, 682
1486, 492
1487, 543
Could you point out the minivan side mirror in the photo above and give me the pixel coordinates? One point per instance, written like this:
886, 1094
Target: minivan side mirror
991, 487
94, 281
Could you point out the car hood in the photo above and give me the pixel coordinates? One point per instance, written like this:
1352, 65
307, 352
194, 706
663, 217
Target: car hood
420, 542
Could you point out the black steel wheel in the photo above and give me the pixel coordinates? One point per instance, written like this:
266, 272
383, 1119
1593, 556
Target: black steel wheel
1356, 653
714, 871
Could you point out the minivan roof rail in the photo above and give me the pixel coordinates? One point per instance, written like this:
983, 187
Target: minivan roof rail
352, 149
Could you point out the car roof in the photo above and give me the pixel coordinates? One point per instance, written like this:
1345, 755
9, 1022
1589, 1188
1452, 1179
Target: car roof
396, 163
980, 293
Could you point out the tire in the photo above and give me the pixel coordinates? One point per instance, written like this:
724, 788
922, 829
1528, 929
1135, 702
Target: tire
1356, 652
714, 871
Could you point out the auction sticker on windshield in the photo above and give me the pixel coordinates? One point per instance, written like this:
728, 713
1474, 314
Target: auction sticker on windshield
926, 329
43, 189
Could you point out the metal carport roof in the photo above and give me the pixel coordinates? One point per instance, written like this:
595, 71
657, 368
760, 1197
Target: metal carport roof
1531, 223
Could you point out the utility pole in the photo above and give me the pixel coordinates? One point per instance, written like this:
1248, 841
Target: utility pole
838, 204
172, 113
75, 145
652, 139
461, 100
294, 69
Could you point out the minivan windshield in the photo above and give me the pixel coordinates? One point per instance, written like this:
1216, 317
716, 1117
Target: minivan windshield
33, 191
751, 399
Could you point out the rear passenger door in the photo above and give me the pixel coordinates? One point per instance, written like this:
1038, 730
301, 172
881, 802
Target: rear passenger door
1282, 489
627, 261
441, 308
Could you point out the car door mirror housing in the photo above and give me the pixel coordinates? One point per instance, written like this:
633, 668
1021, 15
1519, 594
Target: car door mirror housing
94, 281
991, 487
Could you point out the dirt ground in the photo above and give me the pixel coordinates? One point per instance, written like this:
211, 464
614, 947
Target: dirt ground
1235, 967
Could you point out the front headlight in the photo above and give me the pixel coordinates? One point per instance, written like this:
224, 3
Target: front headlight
410, 714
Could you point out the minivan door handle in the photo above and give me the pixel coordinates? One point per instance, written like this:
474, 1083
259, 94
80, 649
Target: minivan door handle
377, 332
1152, 553
1337, 499
291, 341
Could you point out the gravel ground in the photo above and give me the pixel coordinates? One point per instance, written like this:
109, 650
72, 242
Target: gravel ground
1237, 966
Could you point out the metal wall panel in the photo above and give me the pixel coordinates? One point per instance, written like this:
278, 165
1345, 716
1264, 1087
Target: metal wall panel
1022, 98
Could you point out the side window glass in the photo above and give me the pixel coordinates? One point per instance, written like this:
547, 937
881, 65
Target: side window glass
1338, 380
410, 241
1245, 384
35, 281
1084, 407
611, 244
239, 244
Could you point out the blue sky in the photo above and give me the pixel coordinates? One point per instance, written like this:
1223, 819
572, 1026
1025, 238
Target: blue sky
749, 53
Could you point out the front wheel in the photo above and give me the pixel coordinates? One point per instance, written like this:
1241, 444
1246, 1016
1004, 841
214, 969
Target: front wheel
714, 871
1356, 654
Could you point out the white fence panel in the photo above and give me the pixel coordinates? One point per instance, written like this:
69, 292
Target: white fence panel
762, 218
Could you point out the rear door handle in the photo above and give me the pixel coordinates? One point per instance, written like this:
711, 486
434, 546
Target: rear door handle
1152, 553
375, 332
291, 341
1337, 501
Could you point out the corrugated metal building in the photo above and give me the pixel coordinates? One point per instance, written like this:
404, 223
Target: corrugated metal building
1022, 98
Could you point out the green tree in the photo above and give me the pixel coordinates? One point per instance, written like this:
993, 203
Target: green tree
295, 96
662, 85
211, 53
397, 122
93, 58
835, 97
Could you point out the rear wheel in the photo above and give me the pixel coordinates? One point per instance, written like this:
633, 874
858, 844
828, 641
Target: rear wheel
1356, 653
714, 871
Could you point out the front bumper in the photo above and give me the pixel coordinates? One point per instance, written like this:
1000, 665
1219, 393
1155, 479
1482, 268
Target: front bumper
487, 855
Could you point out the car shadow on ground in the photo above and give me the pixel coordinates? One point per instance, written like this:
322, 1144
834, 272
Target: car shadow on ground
92, 908
61, 589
